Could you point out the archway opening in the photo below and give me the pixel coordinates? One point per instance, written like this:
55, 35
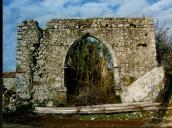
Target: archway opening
89, 73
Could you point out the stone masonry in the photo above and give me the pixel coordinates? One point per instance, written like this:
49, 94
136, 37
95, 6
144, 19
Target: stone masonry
41, 54
9, 92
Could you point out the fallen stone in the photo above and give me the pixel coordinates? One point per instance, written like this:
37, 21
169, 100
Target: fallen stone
149, 87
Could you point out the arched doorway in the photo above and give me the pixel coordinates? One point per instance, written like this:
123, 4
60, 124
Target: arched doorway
89, 76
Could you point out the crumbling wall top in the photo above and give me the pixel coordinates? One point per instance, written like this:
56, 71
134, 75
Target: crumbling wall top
29, 23
145, 22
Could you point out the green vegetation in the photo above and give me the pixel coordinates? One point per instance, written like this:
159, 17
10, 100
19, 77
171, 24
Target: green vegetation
164, 57
164, 47
89, 73
128, 80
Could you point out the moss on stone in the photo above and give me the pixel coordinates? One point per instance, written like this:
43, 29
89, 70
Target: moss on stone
51, 81
19, 68
37, 83
128, 80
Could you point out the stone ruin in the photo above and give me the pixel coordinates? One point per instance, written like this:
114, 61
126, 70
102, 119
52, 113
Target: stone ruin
41, 55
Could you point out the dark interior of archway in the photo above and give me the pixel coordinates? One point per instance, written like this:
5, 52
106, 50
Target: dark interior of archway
89, 73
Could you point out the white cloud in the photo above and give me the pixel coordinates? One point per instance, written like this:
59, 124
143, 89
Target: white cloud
131, 8
43, 10
93, 10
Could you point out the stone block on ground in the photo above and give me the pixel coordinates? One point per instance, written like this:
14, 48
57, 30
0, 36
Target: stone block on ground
149, 87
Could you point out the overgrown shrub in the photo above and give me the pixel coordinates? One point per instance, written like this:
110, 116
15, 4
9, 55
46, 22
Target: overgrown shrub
89, 73
164, 47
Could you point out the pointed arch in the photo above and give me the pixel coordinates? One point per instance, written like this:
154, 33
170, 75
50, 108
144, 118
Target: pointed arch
89, 63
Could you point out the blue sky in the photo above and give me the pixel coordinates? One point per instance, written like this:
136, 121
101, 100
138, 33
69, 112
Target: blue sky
15, 11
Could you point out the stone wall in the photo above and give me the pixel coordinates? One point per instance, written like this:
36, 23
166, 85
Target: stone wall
29, 35
41, 53
9, 94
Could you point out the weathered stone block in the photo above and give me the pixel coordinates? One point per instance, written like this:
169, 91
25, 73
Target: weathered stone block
146, 88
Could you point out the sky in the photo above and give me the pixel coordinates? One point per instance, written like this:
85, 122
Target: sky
15, 11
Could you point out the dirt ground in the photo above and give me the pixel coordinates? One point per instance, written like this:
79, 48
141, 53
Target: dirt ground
75, 121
